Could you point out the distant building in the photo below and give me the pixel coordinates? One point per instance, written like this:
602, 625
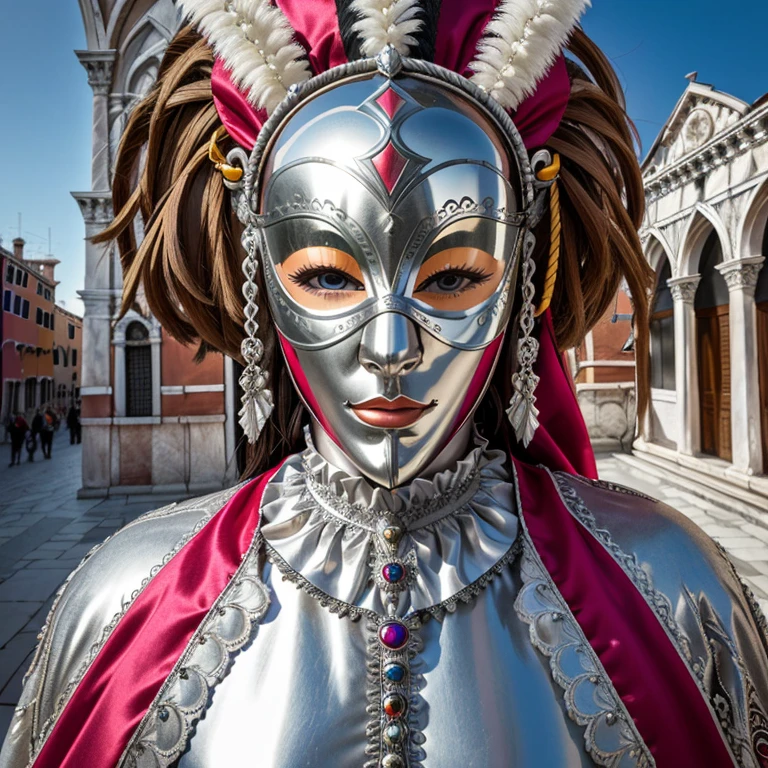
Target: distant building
26, 330
705, 235
153, 420
67, 359
603, 368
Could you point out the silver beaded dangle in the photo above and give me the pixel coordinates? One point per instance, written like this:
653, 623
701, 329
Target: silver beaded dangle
257, 398
522, 412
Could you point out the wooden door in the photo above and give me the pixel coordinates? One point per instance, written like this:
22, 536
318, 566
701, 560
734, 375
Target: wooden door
715, 381
762, 363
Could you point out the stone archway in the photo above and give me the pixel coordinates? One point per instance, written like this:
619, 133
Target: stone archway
761, 305
712, 309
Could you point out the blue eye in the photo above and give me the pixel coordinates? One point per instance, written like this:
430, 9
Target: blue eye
333, 281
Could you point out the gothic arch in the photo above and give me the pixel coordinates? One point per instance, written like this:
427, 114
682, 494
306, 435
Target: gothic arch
657, 248
703, 220
93, 21
753, 227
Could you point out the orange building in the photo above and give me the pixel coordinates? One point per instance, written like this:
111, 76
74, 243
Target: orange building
67, 359
27, 331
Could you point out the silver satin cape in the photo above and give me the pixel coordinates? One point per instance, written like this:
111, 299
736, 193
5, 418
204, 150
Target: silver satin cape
491, 684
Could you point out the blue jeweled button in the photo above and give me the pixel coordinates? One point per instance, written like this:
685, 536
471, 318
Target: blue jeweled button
163, 714
393, 572
395, 673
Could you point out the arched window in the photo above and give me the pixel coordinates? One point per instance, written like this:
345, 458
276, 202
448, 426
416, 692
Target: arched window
138, 371
663, 332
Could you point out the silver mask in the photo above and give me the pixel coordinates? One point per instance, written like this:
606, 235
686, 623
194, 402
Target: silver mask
391, 219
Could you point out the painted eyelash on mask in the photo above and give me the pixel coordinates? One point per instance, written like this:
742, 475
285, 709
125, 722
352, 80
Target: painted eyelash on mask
480, 275
305, 273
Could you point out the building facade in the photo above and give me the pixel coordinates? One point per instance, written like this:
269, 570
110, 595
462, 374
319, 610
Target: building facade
153, 420
27, 332
67, 359
603, 368
706, 181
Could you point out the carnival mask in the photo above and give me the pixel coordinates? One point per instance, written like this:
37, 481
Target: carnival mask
390, 230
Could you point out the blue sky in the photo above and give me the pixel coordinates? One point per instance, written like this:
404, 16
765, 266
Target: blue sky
45, 100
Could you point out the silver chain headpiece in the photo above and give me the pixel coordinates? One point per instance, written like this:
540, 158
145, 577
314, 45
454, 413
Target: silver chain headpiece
257, 398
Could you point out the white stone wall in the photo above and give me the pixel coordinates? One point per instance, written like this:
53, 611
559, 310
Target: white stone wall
708, 171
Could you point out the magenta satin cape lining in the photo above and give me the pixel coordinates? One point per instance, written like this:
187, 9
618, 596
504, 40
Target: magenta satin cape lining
645, 668
122, 682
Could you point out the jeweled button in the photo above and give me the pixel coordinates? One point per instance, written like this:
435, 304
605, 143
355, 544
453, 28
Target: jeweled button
393, 635
393, 572
395, 673
393, 734
392, 761
394, 705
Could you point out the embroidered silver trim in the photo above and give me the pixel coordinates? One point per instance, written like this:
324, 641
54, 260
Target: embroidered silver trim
209, 506
658, 601
337, 509
616, 487
591, 701
169, 723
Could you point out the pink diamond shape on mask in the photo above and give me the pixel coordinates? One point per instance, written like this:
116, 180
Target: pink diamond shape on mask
390, 102
390, 165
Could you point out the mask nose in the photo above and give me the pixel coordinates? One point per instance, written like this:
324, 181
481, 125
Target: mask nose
390, 346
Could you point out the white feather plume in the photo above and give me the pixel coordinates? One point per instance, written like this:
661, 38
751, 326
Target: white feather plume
255, 41
520, 44
383, 22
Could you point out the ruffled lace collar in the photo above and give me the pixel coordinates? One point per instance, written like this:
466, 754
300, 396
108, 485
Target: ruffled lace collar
322, 528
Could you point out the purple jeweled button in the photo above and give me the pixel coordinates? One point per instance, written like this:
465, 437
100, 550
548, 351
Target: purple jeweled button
393, 635
393, 572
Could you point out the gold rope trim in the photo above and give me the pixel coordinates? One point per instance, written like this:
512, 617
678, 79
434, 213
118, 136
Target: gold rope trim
548, 174
229, 172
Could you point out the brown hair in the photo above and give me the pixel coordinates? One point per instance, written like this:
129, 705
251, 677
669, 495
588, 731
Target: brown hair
189, 260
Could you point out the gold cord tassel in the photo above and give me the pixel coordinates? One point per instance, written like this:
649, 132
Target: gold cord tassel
547, 174
215, 155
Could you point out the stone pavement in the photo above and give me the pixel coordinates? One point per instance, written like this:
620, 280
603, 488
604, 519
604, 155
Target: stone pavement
45, 531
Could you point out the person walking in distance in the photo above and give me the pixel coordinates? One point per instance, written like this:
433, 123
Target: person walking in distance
46, 432
36, 429
73, 424
18, 429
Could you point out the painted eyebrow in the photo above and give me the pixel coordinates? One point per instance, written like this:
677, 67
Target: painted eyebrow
460, 239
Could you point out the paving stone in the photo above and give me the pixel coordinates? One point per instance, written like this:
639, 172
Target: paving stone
717, 531
15, 616
13, 655
32, 584
750, 555
59, 546
6, 715
741, 542
37, 534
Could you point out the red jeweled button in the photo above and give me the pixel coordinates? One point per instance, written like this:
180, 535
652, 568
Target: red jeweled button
394, 705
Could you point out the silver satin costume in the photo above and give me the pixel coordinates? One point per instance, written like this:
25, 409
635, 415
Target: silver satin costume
492, 683
385, 617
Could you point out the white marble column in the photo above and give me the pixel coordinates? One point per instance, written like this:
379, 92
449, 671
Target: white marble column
746, 439
686, 364
97, 294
